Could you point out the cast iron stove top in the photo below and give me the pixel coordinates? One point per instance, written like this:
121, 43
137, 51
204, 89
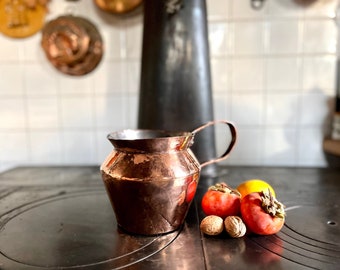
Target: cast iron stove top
61, 218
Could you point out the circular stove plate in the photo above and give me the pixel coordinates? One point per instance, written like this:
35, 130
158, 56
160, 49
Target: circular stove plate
75, 230
310, 237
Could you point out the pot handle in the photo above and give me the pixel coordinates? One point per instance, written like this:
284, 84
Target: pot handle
232, 142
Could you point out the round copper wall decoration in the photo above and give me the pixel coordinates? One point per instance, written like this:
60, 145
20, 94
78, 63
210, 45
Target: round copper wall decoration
22, 18
118, 6
72, 44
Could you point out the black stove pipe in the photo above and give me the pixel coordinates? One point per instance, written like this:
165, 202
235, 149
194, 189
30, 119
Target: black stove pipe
175, 90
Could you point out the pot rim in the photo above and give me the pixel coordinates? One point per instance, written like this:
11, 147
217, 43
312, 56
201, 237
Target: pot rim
146, 134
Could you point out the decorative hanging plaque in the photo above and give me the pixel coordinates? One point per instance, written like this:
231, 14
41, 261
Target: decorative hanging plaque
22, 18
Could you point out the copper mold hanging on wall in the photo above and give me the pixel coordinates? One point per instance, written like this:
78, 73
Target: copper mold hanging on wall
72, 44
118, 6
22, 18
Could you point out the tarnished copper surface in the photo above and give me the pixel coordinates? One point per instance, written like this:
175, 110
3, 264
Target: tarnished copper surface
22, 18
151, 177
72, 44
118, 6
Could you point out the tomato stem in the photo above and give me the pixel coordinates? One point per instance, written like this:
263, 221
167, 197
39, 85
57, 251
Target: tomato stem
271, 205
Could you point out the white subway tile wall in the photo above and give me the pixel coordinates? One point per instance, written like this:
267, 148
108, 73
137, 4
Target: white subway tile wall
273, 75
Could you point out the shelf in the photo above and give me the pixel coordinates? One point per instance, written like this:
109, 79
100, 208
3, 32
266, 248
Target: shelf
332, 147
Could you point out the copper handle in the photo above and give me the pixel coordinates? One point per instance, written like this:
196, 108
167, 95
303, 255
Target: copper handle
232, 142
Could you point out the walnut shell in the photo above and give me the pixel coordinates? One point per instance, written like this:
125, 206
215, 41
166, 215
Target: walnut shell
234, 226
212, 225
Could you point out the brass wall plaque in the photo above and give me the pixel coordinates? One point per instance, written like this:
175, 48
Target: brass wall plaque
22, 18
72, 44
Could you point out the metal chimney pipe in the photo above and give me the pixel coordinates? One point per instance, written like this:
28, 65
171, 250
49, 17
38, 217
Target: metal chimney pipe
175, 90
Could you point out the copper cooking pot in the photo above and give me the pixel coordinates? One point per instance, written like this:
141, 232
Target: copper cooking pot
151, 177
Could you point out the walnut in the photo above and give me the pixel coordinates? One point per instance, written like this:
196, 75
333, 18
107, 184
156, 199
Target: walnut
212, 225
235, 226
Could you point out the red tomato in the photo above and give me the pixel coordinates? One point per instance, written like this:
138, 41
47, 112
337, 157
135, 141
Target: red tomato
262, 213
221, 200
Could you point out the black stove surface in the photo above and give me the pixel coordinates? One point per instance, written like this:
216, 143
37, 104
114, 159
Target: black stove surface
61, 218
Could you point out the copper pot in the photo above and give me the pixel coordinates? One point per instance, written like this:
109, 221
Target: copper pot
151, 177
